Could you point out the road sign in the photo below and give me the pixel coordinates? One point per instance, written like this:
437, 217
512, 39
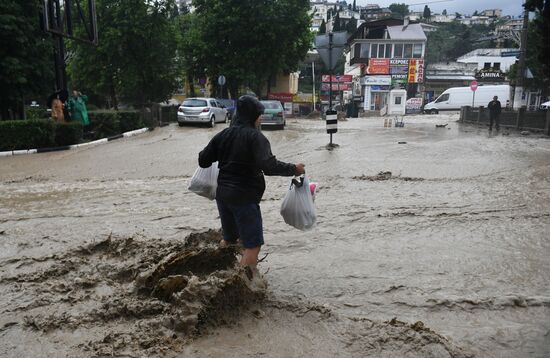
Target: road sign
221, 80
473, 85
332, 121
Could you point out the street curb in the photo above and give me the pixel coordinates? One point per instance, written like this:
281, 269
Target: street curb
74, 146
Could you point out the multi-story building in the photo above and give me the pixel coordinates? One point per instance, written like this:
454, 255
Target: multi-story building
373, 12
443, 18
389, 54
491, 58
345, 16
492, 13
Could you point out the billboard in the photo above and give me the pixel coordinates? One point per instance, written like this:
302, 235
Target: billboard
336, 86
379, 66
337, 78
416, 71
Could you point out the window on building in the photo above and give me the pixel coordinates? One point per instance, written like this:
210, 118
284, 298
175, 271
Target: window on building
397, 100
374, 51
365, 53
380, 50
496, 65
486, 65
388, 51
417, 50
398, 50
407, 50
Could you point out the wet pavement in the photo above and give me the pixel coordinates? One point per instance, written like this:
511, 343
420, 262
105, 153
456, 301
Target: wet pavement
453, 232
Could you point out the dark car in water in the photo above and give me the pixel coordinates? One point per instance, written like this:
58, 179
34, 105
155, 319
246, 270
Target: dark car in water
229, 105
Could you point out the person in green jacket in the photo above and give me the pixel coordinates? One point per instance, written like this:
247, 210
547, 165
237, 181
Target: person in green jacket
76, 105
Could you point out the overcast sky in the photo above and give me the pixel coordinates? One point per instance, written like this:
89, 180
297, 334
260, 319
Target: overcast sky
509, 7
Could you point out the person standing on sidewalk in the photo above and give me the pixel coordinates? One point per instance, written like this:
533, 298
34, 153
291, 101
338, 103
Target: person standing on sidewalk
244, 156
76, 105
494, 113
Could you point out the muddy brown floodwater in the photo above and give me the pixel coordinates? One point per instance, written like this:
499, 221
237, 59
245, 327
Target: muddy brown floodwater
430, 241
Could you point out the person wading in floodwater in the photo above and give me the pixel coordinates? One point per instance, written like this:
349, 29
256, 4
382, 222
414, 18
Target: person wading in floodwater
494, 113
244, 156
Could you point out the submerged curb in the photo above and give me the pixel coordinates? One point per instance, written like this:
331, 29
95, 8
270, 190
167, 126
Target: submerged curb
74, 146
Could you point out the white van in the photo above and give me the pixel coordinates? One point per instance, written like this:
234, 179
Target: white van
454, 98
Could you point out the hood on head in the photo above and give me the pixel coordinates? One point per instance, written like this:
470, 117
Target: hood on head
248, 109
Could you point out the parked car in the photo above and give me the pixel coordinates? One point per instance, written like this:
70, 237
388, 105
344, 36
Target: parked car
274, 114
201, 110
230, 105
544, 106
454, 98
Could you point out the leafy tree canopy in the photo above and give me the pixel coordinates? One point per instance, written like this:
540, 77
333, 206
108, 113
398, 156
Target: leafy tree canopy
399, 10
250, 41
26, 64
136, 56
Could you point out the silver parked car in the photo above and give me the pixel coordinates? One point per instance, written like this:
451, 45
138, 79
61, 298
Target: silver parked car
274, 114
202, 110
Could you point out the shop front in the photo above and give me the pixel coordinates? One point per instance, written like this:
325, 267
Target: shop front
376, 92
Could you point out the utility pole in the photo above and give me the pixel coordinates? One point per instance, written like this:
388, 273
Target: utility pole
313, 75
520, 77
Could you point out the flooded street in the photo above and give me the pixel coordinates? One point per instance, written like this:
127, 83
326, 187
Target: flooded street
454, 234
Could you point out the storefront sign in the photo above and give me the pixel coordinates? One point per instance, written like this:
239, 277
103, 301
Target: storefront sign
378, 66
282, 97
336, 86
416, 71
337, 78
377, 88
376, 80
303, 98
490, 74
413, 105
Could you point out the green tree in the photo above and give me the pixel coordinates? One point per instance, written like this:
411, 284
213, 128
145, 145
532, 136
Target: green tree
399, 10
351, 25
453, 39
538, 43
427, 14
354, 5
276, 38
336, 23
136, 57
475, 13
26, 64
458, 15
323, 27
444, 13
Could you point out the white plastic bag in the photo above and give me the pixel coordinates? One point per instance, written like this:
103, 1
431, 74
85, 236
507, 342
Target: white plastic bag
205, 181
298, 209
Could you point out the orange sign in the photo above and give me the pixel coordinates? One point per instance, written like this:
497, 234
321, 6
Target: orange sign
416, 71
378, 66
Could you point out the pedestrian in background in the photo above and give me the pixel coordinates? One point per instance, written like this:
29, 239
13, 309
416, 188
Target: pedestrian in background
244, 156
76, 105
494, 113
57, 109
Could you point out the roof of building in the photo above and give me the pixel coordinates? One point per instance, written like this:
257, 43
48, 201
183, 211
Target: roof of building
487, 52
410, 32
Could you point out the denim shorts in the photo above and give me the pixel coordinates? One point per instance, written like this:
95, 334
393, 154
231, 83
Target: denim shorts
242, 221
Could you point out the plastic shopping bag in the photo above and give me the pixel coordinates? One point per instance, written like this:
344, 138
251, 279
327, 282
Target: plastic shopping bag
298, 209
205, 181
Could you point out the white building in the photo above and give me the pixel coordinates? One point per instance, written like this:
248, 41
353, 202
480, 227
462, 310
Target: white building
490, 58
443, 18
492, 12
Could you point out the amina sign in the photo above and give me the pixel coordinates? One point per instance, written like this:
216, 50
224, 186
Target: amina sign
490, 74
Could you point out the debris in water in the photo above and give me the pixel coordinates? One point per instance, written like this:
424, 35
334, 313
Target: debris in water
401, 142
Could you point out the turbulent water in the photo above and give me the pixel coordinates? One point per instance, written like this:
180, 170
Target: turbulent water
443, 226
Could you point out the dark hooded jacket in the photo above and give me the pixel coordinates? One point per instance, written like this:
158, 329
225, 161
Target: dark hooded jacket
244, 156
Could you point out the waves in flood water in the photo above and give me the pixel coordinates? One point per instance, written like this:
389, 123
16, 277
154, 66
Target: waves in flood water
454, 236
